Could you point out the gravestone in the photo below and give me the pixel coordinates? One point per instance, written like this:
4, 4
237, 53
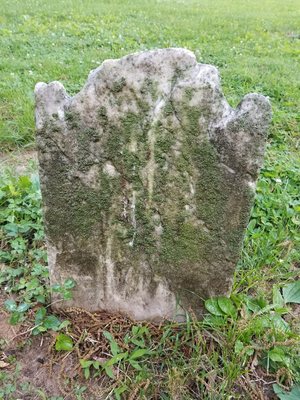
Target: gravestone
148, 177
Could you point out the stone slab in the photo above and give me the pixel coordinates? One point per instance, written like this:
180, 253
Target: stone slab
148, 177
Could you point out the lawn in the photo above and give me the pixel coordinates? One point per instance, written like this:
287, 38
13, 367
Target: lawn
246, 345
255, 45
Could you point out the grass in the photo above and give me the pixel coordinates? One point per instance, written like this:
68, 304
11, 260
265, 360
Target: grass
255, 45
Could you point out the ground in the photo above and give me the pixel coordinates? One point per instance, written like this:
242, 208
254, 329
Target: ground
248, 344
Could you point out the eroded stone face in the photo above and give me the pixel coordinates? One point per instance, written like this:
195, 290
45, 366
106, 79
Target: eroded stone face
148, 177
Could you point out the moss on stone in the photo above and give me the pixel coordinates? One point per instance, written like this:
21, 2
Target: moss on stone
189, 92
118, 85
102, 115
193, 222
91, 134
180, 240
72, 118
149, 87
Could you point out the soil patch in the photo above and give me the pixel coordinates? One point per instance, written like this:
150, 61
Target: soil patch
19, 161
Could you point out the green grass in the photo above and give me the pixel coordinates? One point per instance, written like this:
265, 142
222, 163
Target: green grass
256, 47
254, 44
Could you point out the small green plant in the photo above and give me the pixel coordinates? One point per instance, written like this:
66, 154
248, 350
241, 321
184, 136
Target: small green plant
63, 342
25, 276
64, 290
282, 394
118, 356
23, 253
260, 327
9, 382
43, 322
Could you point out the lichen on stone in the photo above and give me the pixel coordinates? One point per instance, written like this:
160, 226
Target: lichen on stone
146, 177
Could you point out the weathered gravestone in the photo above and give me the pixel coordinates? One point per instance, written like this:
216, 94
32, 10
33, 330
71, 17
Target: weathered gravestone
148, 178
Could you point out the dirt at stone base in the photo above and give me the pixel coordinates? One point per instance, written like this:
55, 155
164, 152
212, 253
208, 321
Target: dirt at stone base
24, 360
40, 373
31, 359
19, 161
27, 362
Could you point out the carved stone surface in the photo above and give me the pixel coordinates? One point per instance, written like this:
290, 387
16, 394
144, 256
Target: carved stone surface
147, 177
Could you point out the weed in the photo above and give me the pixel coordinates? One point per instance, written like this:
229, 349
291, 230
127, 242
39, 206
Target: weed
25, 276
